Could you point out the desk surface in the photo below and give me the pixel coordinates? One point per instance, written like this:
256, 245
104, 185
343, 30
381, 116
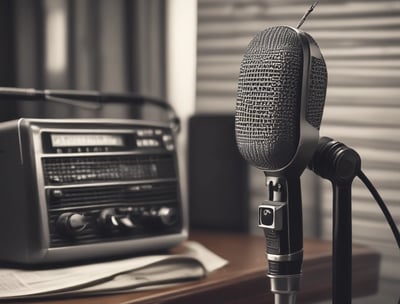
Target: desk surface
244, 280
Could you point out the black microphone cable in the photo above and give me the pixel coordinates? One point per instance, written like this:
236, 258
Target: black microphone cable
325, 163
361, 175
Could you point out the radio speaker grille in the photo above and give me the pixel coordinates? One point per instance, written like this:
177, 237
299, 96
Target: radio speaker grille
114, 195
75, 170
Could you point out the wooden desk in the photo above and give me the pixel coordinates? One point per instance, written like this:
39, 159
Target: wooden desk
244, 280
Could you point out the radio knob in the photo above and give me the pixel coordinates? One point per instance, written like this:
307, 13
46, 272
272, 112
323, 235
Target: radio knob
109, 218
57, 193
70, 224
167, 216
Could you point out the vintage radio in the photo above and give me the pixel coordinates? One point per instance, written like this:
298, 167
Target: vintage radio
82, 189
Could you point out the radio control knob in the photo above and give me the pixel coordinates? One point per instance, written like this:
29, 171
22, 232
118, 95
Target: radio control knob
110, 218
167, 216
71, 224
125, 222
57, 193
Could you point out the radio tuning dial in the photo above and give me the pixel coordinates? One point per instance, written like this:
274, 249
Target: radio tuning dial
167, 216
158, 218
70, 224
110, 218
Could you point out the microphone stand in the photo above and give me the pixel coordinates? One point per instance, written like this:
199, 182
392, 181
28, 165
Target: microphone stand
339, 164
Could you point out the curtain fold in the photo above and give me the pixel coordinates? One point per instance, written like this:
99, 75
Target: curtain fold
111, 46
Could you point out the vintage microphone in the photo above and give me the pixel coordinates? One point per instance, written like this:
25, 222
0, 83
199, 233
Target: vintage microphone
280, 101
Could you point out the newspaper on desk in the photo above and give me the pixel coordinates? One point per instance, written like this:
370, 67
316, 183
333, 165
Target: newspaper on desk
110, 277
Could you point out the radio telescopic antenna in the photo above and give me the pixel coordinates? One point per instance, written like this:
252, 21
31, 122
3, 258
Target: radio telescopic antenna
89, 100
307, 13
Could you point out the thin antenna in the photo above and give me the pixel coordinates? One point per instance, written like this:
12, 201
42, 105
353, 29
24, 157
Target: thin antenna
307, 13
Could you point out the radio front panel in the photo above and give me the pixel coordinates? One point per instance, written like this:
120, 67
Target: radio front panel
106, 185
101, 186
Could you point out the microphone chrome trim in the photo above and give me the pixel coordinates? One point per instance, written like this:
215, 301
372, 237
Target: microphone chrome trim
285, 287
285, 283
298, 255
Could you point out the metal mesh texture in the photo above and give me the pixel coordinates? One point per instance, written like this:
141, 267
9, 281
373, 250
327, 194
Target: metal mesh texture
268, 98
317, 92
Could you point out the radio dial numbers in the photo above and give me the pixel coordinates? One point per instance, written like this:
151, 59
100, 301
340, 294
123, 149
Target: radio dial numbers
168, 142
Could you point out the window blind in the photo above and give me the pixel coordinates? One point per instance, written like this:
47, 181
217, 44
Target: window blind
360, 41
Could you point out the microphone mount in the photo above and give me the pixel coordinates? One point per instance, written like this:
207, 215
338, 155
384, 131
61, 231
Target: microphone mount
340, 165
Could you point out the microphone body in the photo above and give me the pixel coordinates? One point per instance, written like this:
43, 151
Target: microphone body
280, 100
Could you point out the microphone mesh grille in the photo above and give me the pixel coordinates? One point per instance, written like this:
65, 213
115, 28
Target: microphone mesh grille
318, 84
268, 98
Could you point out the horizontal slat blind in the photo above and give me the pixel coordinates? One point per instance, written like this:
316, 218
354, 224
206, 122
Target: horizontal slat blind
362, 51
360, 41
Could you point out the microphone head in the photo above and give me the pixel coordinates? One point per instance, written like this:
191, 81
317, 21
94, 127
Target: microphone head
280, 99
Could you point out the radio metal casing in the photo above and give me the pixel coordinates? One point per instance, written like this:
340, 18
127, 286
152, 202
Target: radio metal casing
74, 189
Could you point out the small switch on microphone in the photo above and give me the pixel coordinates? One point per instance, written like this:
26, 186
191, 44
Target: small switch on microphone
270, 215
266, 216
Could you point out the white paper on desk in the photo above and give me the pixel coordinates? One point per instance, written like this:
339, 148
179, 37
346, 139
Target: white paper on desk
195, 262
